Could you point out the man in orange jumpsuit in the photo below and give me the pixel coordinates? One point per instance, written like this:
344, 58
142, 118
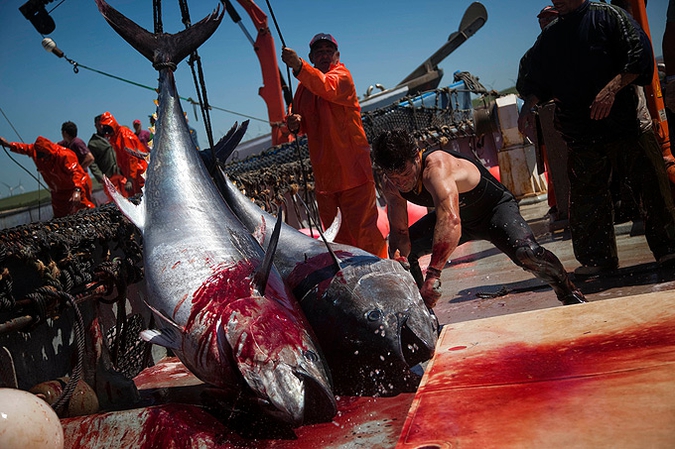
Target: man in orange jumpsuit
69, 184
326, 109
132, 167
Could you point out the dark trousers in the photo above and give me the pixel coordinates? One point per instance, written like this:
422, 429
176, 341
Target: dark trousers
504, 227
590, 169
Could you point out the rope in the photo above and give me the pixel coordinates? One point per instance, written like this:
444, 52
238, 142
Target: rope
189, 100
310, 210
7, 301
79, 339
157, 16
39, 300
201, 94
198, 76
283, 44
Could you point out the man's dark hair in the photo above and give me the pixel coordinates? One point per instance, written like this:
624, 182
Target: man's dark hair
392, 149
69, 128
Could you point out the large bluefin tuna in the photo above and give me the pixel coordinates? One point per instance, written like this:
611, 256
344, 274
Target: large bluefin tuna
367, 312
222, 309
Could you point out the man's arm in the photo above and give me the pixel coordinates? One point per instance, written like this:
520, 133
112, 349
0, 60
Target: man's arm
87, 161
27, 149
335, 86
397, 213
439, 178
602, 104
96, 171
79, 147
526, 120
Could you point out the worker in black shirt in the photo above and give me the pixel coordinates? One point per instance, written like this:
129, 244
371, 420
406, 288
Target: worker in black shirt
469, 204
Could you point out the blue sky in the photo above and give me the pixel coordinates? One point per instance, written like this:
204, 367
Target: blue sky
380, 42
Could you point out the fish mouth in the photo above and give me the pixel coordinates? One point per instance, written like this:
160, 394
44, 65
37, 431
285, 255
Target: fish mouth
320, 405
390, 298
301, 400
414, 349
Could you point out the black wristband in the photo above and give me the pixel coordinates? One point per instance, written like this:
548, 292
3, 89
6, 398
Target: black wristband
434, 272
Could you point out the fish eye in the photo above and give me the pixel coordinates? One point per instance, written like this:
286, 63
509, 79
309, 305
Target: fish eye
374, 315
311, 356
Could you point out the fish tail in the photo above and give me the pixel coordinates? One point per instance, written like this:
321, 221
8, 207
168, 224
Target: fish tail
161, 49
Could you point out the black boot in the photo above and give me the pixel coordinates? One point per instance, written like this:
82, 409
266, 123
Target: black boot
574, 297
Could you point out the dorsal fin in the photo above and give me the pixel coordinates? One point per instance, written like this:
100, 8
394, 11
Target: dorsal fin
336, 260
333, 229
225, 146
229, 142
263, 271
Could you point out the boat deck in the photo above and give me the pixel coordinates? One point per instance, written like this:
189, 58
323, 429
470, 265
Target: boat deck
513, 369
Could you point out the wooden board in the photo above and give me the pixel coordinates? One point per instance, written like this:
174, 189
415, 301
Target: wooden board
592, 375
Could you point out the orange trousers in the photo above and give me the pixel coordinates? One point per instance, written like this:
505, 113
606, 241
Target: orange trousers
359, 217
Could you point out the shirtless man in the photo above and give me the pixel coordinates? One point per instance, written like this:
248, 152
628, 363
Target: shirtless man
469, 204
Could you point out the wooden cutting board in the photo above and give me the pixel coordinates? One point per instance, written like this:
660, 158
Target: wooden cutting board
596, 375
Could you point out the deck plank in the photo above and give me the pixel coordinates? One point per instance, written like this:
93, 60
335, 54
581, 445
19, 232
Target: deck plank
594, 375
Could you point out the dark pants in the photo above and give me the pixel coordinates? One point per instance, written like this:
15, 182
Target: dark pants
591, 210
504, 227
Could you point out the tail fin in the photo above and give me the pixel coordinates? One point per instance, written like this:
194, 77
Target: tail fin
161, 48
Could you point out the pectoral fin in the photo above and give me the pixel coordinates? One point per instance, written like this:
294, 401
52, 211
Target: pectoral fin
134, 212
166, 337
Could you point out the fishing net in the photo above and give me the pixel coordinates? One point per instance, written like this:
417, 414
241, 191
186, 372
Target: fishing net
129, 353
51, 272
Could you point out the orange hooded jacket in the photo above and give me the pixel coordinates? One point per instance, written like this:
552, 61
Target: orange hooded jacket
331, 118
62, 173
131, 166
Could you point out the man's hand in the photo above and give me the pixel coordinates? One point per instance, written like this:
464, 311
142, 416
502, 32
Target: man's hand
4, 142
291, 59
293, 122
526, 118
403, 260
76, 196
526, 121
431, 290
129, 186
75, 199
602, 105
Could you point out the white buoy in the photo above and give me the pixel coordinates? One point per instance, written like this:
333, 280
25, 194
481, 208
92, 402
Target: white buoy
28, 422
